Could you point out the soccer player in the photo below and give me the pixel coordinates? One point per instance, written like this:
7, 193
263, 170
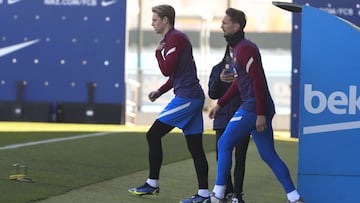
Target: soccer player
175, 60
253, 116
221, 77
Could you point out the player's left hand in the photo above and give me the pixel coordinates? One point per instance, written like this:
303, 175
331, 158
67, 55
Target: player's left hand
154, 95
260, 123
214, 111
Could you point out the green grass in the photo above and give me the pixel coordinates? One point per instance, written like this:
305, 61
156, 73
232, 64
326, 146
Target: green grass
62, 166
120, 158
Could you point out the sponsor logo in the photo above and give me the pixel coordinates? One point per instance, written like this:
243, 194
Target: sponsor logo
16, 47
337, 102
106, 3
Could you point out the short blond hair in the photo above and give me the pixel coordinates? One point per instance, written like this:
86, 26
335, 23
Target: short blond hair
165, 10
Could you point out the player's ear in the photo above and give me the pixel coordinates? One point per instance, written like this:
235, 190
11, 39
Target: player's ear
237, 26
165, 20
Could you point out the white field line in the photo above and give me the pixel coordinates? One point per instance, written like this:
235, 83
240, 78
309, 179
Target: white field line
26, 144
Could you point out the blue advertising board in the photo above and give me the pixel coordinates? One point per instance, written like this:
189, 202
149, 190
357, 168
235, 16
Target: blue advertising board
329, 108
57, 47
346, 9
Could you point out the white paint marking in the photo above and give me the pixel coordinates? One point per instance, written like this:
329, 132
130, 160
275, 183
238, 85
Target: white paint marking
331, 127
26, 144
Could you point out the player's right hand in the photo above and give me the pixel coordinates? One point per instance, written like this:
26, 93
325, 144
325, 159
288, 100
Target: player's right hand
260, 123
154, 95
160, 46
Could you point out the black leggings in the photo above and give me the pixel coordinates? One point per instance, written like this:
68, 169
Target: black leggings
239, 169
194, 144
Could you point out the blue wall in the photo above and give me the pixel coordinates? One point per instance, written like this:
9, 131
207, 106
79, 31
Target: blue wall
329, 110
346, 9
58, 46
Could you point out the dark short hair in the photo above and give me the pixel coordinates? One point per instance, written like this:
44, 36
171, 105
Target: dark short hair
237, 16
165, 10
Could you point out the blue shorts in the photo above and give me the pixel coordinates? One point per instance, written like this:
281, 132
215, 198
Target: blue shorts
185, 114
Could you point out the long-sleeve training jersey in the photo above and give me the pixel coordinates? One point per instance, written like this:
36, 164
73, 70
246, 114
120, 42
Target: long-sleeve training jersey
177, 63
251, 80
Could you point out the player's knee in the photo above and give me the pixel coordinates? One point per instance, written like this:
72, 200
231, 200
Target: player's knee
268, 157
153, 137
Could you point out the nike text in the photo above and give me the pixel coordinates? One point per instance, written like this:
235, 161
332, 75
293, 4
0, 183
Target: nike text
70, 2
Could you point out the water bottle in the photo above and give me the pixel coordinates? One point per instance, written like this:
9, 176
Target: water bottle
229, 67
